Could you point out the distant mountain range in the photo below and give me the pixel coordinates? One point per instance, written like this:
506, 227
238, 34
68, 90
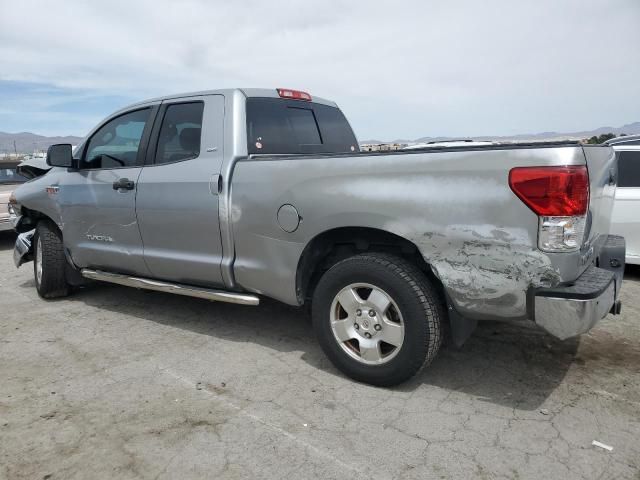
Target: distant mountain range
26, 142
629, 129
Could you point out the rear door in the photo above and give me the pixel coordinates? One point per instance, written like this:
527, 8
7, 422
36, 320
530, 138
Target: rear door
625, 218
97, 201
177, 200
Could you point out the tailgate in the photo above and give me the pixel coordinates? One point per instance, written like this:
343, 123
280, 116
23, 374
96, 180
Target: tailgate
602, 167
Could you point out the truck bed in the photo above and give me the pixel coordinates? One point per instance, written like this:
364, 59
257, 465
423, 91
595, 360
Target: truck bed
453, 203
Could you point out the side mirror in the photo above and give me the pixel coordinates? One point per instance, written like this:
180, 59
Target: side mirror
60, 155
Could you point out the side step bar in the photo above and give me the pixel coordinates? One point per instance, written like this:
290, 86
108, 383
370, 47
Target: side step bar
177, 288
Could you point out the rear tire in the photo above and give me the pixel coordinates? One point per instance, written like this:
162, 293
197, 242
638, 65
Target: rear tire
49, 262
377, 318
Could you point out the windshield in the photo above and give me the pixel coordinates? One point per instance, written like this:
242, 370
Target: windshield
10, 175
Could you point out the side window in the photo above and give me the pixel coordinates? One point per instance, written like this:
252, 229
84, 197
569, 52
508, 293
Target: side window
117, 142
180, 132
629, 169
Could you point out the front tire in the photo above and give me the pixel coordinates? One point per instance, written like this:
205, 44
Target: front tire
49, 262
377, 318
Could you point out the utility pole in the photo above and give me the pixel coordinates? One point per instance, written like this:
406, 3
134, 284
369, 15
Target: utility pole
15, 150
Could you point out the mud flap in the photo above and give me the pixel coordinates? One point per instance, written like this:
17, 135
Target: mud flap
72, 274
461, 327
612, 258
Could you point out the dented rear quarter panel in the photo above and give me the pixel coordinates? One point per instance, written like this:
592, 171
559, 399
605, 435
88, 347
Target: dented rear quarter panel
455, 206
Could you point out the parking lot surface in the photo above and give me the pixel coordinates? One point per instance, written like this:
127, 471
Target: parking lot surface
119, 383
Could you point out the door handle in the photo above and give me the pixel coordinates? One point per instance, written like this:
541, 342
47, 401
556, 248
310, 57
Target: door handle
123, 184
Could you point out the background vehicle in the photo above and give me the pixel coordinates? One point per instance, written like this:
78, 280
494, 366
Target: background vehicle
9, 180
33, 167
625, 219
232, 194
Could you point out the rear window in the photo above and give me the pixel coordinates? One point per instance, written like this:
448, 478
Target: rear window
629, 169
276, 126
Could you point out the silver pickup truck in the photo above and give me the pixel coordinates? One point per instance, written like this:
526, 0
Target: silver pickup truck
231, 195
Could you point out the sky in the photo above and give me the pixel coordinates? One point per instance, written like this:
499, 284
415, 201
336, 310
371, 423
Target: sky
398, 69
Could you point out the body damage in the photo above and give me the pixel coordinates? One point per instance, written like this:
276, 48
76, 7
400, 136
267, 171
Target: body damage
101, 230
455, 207
487, 271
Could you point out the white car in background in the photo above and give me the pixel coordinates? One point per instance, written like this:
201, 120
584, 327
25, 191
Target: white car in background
625, 219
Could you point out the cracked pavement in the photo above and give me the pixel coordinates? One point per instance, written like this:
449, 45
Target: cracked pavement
120, 383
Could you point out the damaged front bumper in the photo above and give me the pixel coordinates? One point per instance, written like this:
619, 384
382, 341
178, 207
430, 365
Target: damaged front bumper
569, 311
23, 250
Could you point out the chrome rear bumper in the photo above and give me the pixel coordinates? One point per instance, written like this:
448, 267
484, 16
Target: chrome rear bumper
565, 317
569, 311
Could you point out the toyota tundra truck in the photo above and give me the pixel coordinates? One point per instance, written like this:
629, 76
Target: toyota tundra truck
233, 195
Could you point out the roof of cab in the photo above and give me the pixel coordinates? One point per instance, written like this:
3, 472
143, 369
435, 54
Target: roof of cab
247, 92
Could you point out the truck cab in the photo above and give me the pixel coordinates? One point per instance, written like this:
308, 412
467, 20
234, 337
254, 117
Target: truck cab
113, 199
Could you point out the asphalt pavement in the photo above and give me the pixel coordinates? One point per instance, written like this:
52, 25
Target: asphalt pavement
118, 383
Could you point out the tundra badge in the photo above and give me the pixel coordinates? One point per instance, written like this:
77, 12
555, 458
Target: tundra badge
100, 238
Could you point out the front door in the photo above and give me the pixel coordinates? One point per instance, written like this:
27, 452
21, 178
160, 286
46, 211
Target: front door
177, 199
97, 201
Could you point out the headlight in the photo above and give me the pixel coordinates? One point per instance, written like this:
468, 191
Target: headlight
12, 206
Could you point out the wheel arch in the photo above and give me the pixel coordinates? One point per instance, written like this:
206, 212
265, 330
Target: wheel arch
29, 220
331, 246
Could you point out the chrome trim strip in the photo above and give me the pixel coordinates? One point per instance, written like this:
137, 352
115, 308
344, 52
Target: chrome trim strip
179, 289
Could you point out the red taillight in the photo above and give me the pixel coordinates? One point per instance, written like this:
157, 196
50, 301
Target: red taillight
293, 94
552, 191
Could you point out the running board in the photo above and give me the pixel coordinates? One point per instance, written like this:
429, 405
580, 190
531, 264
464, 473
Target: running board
177, 288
